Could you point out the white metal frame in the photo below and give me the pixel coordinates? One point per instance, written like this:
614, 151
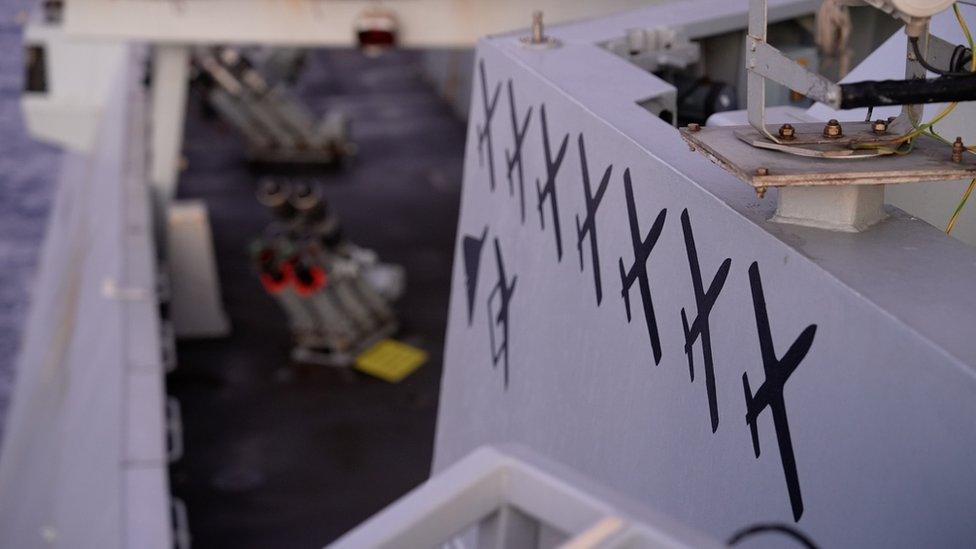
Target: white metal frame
508, 493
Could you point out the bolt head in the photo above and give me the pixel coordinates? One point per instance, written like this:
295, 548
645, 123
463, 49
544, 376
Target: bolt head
694, 127
762, 171
879, 126
833, 129
786, 131
957, 149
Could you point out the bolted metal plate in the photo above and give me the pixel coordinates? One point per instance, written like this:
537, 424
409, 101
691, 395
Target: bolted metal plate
727, 146
812, 133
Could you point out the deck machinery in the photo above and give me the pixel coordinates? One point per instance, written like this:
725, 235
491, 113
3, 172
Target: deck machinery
901, 149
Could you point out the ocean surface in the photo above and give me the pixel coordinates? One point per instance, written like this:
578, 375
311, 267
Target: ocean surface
28, 171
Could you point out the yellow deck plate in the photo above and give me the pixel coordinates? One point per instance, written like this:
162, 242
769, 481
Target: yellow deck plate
390, 360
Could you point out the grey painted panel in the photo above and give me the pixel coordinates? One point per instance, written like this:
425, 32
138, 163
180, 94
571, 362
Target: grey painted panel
880, 411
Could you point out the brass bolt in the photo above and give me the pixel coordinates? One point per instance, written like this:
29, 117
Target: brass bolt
787, 132
879, 126
694, 127
833, 130
538, 36
761, 191
957, 150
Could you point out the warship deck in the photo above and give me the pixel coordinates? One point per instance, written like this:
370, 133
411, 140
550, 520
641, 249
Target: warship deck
277, 456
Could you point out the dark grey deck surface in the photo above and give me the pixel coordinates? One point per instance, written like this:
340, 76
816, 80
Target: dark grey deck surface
27, 181
279, 457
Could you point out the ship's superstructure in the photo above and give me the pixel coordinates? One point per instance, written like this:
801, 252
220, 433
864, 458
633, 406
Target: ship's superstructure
656, 354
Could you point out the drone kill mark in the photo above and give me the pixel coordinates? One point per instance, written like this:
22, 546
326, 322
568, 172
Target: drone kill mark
548, 191
699, 328
770, 393
498, 315
484, 129
638, 270
588, 227
471, 248
513, 158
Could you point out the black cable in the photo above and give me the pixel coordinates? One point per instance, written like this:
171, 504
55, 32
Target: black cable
921, 61
953, 58
964, 60
908, 92
870, 114
957, 58
961, 56
789, 531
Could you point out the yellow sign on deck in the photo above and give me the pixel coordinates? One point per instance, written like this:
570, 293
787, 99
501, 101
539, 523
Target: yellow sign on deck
390, 360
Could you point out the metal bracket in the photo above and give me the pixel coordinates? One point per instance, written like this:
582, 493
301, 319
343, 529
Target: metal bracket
766, 62
734, 148
755, 154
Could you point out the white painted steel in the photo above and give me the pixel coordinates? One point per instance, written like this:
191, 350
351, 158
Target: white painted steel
879, 410
196, 304
848, 208
421, 23
170, 79
80, 74
511, 492
83, 462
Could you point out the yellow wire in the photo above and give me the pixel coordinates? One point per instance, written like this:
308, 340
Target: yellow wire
930, 127
969, 36
972, 67
919, 129
958, 210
